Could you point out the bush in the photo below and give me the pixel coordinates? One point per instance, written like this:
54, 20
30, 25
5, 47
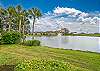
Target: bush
11, 37
32, 43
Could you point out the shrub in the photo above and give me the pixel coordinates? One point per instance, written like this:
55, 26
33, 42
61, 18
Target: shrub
11, 37
32, 43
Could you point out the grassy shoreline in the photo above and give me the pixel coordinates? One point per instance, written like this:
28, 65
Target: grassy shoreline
71, 60
90, 35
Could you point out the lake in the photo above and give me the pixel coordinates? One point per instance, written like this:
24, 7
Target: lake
83, 43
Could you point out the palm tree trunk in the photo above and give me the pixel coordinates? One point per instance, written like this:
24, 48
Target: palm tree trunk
20, 26
23, 29
33, 25
9, 27
23, 33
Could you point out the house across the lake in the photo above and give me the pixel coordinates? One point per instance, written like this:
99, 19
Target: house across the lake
64, 30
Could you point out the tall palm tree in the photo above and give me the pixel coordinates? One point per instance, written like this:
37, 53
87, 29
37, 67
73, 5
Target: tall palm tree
25, 20
22, 18
10, 16
35, 13
2, 17
19, 16
1, 25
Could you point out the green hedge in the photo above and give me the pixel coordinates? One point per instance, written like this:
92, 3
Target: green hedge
11, 37
31, 43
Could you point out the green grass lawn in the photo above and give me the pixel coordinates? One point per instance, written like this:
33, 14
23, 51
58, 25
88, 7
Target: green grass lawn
39, 58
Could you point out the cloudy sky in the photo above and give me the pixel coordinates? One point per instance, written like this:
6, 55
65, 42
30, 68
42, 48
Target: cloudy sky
76, 15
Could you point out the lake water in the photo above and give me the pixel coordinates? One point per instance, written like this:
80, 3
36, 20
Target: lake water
83, 43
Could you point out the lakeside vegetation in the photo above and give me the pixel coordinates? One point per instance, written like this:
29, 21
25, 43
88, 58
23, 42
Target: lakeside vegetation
66, 34
39, 58
91, 35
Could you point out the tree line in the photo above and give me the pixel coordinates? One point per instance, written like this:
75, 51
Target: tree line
17, 18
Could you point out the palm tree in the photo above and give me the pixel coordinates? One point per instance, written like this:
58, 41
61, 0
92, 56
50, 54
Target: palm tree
25, 20
22, 18
2, 17
35, 13
0, 25
10, 16
19, 16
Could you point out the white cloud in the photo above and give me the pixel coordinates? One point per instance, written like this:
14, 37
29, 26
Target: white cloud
74, 20
91, 20
83, 14
70, 11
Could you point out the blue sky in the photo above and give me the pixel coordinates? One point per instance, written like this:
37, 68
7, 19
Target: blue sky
49, 5
60, 13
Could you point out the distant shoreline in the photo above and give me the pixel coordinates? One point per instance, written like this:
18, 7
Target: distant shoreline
67, 34
92, 35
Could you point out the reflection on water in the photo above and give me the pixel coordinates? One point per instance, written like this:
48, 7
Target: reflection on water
71, 42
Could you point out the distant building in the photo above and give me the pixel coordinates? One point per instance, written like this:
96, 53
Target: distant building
64, 30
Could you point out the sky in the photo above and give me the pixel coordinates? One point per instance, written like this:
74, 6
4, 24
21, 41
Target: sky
48, 5
63, 13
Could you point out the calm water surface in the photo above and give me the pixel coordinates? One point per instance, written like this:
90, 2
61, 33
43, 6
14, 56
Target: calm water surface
83, 43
